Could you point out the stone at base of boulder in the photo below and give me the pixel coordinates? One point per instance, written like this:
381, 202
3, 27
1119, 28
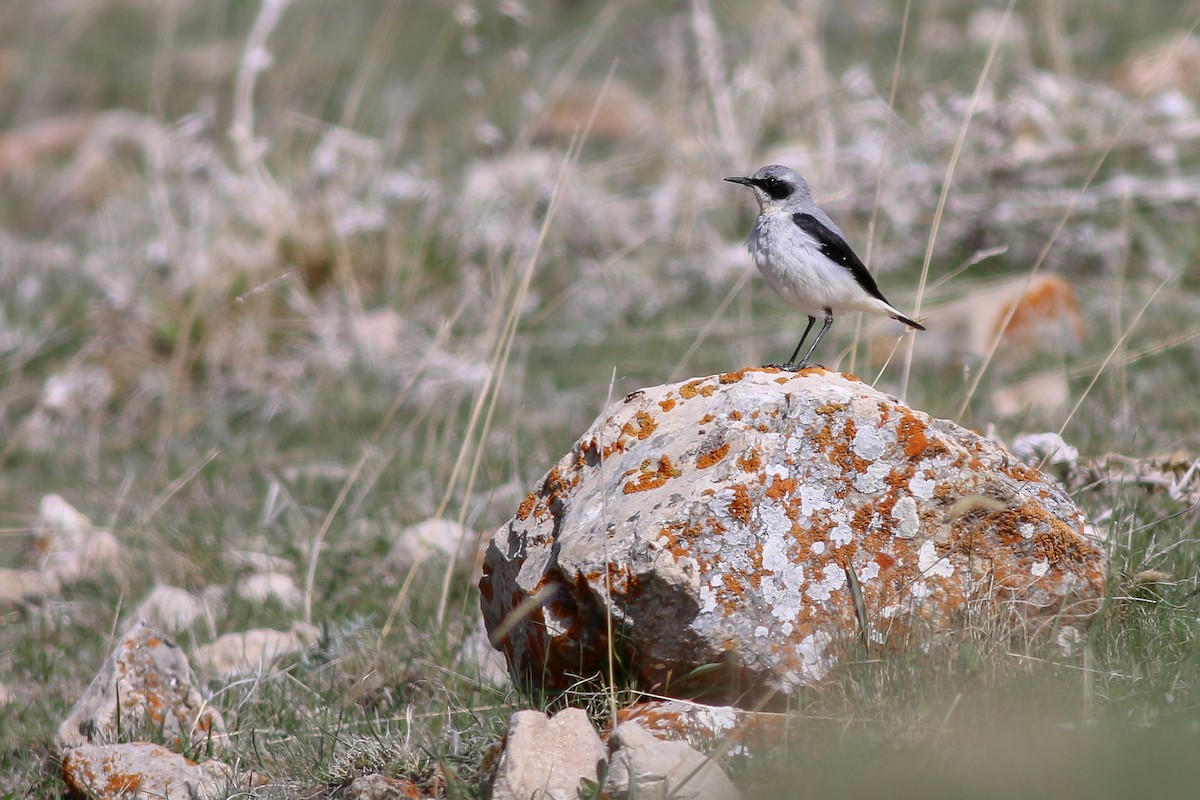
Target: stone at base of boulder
650, 768
548, 757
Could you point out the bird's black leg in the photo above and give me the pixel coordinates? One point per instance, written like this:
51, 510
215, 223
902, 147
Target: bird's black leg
790, 366
817, 341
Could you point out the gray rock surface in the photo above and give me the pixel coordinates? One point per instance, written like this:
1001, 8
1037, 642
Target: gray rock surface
770, 524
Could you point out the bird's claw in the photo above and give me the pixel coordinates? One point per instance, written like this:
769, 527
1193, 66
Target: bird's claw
792, 367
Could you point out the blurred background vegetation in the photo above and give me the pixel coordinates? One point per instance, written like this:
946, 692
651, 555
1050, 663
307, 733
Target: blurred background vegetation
286, 273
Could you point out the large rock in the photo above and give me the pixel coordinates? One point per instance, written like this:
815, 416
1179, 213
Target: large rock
144, 688
770, 523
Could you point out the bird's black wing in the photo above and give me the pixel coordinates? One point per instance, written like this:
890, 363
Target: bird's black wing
836, 249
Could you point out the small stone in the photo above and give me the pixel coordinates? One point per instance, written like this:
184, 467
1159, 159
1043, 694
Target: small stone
548, 757
172, 609
431, 542
26, 585
253, 651
649, 768
271, 586
145, 687
142, 770
256, 561
71, 548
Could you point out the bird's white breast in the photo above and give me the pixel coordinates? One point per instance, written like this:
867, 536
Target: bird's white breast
795, 267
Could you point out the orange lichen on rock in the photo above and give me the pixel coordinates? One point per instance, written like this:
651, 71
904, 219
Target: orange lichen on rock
526, 507
1023, 473
732, 377
697, 387
740, 506
750, 461
781, 488
667, 404
122, 783
911, 431
644, 427
652, 479
706, 460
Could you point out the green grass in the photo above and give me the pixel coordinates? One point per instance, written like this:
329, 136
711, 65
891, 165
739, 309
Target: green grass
219, 292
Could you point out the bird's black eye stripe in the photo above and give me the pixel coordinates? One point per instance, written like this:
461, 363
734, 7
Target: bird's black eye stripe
776, 188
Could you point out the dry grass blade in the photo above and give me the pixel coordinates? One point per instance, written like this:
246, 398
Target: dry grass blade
951, 166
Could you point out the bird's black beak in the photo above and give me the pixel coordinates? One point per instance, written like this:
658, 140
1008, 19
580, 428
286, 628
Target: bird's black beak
742, 181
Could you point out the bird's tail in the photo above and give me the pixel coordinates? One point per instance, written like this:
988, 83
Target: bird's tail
912, 323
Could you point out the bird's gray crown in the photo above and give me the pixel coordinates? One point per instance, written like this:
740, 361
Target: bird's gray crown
778, 183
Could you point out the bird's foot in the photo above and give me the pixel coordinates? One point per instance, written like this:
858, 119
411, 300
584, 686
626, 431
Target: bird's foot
795, 367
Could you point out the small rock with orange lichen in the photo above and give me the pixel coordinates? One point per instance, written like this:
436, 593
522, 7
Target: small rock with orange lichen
1010, 322
835, 517
145, 687
141, 769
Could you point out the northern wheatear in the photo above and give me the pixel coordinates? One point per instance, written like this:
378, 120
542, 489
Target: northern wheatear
804, 256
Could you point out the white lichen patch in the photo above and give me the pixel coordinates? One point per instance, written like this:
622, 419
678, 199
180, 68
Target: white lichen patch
871, 481
834, 579
905, 515
868, 572
782, 590
922, 487
930, 564
813, 499
812, 651
841, 535
868, 443
774, 521
1040, 568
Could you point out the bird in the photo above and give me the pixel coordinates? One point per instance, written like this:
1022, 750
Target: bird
804, 257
